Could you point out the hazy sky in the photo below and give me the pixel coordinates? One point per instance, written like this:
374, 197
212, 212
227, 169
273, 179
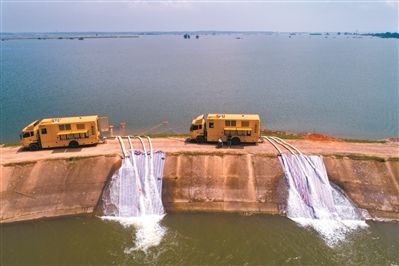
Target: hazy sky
53, 15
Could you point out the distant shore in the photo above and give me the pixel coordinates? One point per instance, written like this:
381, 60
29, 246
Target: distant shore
68, 37
112, 35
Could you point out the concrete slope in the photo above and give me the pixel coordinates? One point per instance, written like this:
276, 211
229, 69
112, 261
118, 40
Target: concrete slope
62, 182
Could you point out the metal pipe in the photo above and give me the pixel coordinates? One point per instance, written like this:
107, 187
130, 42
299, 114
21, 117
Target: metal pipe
292, 146
151, 157
145, 156
125, 154
136, 172
130, 143
274, 145
306, 158
282, 144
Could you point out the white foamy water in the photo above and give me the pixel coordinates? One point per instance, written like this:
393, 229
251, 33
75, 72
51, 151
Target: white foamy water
134, 196
314, 202
149, 231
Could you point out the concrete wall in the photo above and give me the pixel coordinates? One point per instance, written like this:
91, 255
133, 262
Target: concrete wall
232, 183
256, 183
52, 188
192, 182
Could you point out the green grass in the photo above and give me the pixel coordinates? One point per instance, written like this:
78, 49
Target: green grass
161, 135
290, 135
287, 136
165, 135
201, 153
281, 134
363, 141
25, 163
11, 144
360, 157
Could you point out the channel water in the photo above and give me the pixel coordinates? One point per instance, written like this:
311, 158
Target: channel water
133, 195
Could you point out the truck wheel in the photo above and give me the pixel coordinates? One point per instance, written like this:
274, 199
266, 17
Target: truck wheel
73, 144
235, 141
200, 139
34, 147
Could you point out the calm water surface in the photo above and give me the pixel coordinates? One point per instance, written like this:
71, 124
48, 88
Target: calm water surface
341, 85
195, 239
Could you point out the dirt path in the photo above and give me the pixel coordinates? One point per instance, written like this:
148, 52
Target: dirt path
381, 150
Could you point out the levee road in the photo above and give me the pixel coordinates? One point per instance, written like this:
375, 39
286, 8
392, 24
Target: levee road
378, 151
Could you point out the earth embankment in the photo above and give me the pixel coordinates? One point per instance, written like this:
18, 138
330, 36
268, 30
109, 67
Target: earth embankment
248, 179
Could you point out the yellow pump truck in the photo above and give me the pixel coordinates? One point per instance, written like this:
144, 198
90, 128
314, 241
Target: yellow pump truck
62, 132
237, 128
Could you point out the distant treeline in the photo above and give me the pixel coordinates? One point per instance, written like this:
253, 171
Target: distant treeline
385, 35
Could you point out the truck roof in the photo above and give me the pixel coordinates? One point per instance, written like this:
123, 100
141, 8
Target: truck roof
234, 116
66, 120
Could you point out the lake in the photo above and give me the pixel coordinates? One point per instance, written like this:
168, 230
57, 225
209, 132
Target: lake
200, 239
344, 86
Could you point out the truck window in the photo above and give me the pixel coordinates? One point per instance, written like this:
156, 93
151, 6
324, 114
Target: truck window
245, 123
65, 127
26, 135
44, 130
211, 124
228, 132
80, 126
230, 123
31, 134
200, 127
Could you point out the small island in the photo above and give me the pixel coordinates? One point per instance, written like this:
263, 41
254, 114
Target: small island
386, 35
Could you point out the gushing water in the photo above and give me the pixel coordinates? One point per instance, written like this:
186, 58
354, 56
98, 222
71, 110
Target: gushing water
313, 201
133, 196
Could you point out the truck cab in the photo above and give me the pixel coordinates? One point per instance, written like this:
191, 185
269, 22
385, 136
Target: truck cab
30, 136
197, 129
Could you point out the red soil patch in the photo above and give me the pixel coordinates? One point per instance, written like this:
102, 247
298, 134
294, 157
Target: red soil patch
316, 136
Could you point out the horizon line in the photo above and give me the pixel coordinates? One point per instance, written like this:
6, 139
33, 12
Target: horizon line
207, 31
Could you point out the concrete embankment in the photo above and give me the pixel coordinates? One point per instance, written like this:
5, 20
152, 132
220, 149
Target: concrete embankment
64, 182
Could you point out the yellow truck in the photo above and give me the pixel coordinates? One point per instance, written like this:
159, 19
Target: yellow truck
237, 128
62, 132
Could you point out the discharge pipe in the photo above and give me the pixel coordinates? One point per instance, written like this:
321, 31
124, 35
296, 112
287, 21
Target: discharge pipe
274, 145
283, 144
125, 154
136, 172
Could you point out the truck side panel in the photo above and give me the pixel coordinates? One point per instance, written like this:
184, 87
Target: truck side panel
52, 136
213, 134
